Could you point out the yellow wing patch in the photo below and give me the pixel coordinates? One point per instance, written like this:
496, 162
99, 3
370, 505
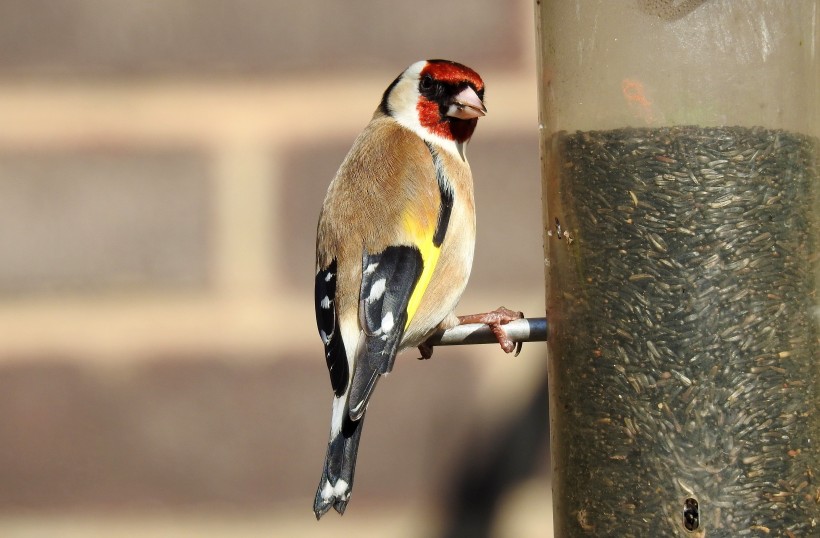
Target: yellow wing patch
422, 237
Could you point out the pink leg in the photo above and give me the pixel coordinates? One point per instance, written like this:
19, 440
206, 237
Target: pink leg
496, 319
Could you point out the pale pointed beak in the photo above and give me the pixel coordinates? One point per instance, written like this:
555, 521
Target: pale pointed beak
467, 105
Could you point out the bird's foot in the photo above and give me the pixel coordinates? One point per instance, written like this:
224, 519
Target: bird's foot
426, 351
496, 321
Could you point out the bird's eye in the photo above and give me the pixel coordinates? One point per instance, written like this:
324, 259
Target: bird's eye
426, 82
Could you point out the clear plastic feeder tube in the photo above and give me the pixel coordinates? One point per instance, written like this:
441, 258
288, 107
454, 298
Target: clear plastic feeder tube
680, 159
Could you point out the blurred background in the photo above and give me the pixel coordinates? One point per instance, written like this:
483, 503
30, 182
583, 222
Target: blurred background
162, 166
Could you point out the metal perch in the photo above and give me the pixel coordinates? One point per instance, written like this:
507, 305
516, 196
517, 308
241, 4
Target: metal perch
519, 330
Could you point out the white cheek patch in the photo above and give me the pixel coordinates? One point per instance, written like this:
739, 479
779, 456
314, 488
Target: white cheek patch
405, 96
403, 102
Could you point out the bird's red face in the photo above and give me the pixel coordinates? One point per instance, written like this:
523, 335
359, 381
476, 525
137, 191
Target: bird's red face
450, 100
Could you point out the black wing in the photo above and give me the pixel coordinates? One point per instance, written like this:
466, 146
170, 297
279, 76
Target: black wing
328, 322
388, 281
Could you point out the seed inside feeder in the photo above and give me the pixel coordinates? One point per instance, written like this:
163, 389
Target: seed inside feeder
683, 341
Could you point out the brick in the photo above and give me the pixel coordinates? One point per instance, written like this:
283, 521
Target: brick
506, 173
509, 247
178, 432
123, 37
308, 170
103, 220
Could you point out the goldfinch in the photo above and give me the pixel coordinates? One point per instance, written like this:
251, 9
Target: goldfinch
394, 247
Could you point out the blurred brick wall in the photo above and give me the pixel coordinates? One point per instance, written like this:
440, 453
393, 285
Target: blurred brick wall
161, 170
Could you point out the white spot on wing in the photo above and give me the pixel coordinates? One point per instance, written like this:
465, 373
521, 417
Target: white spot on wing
357, 407
340, 489
371, 268
337, 416
325, 303
377, 290
329, 276
327, 491
387, 322
325, 337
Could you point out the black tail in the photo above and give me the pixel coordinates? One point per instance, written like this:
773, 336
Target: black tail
340, 465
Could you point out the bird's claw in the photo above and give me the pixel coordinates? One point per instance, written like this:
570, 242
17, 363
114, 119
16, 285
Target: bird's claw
426, 351
496, 321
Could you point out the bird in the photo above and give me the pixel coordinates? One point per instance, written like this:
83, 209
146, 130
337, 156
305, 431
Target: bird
394, 248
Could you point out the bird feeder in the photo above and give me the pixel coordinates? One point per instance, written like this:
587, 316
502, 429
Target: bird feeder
680, 178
